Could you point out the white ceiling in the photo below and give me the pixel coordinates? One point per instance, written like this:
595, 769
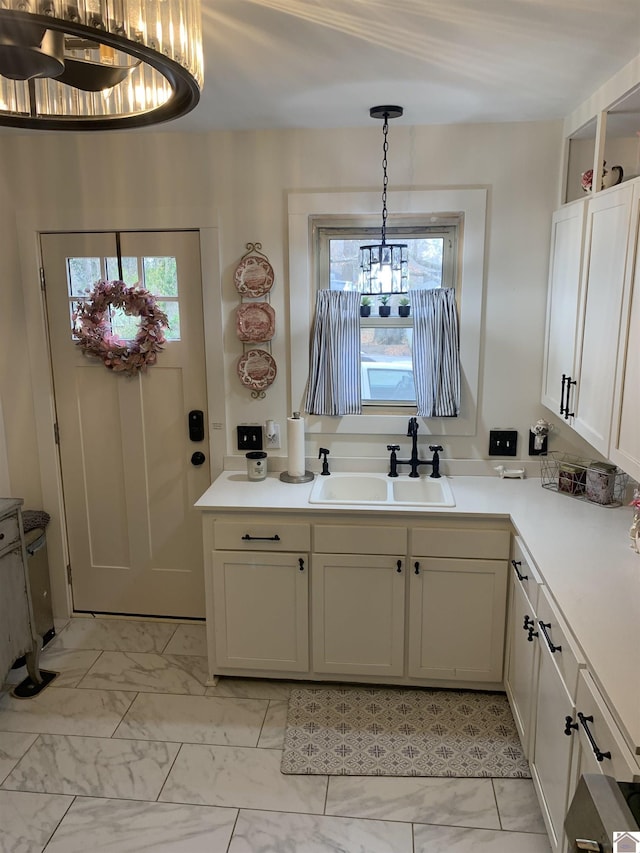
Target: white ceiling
323, 63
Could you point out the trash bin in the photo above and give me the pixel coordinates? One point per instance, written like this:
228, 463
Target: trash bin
35, 523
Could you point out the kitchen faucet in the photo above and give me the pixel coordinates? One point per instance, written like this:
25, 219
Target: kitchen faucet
415, 462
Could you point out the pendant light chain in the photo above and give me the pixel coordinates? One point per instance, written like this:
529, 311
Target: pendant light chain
385, 179
384, 266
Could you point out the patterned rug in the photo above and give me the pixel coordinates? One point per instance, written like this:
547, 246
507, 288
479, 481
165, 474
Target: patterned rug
354, 731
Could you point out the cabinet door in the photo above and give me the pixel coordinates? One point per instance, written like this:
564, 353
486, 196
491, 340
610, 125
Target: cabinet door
522, 660
565, 266
607, 232
260, 611
625, 436
457, 618
551, 761
358, 614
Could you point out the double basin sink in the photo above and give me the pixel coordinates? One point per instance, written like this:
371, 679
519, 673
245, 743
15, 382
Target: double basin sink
380, 489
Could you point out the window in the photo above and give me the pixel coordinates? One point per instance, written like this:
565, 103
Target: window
158, 275
386, 342
466, 206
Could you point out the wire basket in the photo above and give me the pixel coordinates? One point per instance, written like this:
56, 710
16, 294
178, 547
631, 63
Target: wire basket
587, 480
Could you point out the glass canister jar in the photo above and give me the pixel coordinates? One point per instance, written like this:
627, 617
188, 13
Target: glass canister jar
256, 465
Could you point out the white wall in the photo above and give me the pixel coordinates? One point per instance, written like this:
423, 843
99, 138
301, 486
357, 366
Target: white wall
244, 178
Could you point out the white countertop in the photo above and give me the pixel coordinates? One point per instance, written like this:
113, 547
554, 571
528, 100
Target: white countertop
580, 549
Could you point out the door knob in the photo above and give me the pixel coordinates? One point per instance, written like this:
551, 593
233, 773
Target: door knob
198, 458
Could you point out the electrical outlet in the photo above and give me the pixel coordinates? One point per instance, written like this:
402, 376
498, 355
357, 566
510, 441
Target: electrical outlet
249, 437
272, 435
503, 442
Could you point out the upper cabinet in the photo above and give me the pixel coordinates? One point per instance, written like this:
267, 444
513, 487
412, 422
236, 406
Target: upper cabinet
588, 275
607, 146
625, 435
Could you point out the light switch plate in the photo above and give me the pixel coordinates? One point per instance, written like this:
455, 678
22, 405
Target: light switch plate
249, 437
503, 442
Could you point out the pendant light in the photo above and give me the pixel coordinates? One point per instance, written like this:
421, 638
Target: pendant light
98, 64
383, 266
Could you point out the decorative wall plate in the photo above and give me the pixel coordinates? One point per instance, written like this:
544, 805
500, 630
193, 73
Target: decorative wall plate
255, 322
253, 276
257, 369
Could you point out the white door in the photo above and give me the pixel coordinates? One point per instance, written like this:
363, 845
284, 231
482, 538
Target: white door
129, 483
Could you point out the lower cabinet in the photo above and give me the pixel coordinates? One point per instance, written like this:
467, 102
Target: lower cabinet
358, 614
456, 619
260, 610
521, 669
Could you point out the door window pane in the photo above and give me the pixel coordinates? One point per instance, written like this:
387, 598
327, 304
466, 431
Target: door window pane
161, 276
82, 274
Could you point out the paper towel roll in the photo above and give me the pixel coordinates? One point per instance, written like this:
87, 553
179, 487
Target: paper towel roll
295, 445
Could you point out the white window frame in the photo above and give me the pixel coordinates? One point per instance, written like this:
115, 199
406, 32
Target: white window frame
467, 204
399, 230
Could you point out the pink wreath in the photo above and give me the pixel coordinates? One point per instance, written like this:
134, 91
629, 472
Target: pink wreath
92, 327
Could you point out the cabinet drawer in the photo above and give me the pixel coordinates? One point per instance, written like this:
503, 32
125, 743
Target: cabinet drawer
622, 765
558, 642
261, 536
450, 542
524, 571
359, 539
9, 532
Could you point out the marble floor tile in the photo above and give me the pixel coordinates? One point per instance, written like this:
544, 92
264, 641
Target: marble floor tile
118, 826
272, 734
70, 664
518, 805
12, 747
114, 635
268, 832
27, 821
66, 711
93, 767
190, 639
194, 719
239, 777
460, 802
428, 839
148, 673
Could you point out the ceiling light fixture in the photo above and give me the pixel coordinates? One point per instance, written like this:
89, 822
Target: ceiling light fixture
383, 266
98, 64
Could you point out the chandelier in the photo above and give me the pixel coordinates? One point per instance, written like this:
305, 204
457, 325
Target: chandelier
383, 266
98, 64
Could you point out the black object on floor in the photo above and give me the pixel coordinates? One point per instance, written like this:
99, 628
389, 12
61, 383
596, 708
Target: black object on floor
28, 688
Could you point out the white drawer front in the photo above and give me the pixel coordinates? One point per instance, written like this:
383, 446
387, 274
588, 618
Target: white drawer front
555, 637
524, 571
622, 764
261, 536
359, 539
450, 542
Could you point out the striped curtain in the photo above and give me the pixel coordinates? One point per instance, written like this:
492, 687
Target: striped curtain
436, 352
334, 369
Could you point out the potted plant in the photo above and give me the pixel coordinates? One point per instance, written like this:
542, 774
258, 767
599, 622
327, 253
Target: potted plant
365, 306
404, 308
383, 309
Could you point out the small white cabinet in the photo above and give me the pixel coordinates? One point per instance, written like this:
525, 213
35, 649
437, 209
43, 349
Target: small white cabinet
358, 614
457, 604
260, 611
